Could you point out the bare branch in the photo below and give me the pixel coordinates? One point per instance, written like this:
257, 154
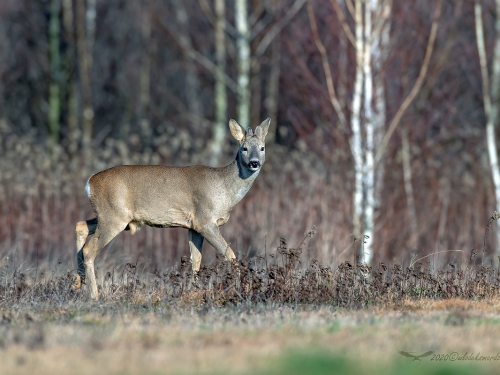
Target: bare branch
350, 7
276, 29
483, 59
207, 11
254, 17
383, 18
307, 71
343, 21
437, 252
326, 66
495, 77
209, 65
261, 25
416, 88
200, 58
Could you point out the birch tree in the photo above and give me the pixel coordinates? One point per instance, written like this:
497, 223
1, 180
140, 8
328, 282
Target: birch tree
491, 95
246, 30
369, 44
249, 27
370, 40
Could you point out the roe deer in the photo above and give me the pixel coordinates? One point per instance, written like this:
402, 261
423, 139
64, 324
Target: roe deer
198, 198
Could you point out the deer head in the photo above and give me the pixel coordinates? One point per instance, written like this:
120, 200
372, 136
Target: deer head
252, 151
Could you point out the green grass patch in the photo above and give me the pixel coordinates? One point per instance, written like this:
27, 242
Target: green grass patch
322, 363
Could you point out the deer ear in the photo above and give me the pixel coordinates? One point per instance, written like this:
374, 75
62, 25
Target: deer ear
236, 130
262, 129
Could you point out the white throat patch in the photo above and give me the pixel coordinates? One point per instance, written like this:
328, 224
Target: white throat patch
242, 192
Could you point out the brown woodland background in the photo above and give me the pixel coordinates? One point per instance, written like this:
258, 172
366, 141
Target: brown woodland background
86, 85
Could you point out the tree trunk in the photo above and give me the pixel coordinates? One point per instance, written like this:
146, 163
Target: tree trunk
410, 201
219, 132
72, 119
376, 42
255, 91
490, 99
272, 91
492, 125
55, 70
368, 165
243, 47
380, 45
192, 81
357, 141
85, 19
144, 75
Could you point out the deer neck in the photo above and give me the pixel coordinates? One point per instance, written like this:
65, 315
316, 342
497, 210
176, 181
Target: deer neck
238, 179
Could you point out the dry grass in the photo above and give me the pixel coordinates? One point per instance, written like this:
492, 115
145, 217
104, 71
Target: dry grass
107, 339
277, 279
253, 316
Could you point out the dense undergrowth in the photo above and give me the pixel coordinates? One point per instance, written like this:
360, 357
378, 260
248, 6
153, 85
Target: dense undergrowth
278, 278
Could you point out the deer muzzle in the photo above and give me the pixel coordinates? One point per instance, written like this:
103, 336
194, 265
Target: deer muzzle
254, 164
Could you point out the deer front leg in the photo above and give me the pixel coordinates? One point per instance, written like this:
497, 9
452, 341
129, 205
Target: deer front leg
212, 235
195, 243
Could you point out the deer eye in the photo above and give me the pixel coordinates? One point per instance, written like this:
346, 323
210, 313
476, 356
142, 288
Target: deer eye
262, 149
245, 149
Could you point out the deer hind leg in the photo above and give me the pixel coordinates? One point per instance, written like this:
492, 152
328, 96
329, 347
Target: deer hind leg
104, 233
83, 230
195, 243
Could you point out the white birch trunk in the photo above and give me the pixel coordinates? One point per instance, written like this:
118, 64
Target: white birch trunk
357, 142
490, 100
490, 129
380, 44
368, 167
243, 47
377, 40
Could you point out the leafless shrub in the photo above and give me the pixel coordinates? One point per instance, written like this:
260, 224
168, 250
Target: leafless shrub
277, 279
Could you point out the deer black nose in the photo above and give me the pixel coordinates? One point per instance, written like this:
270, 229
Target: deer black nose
254, 163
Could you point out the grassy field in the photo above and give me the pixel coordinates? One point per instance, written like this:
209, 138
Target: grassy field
118, 338
267, 315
